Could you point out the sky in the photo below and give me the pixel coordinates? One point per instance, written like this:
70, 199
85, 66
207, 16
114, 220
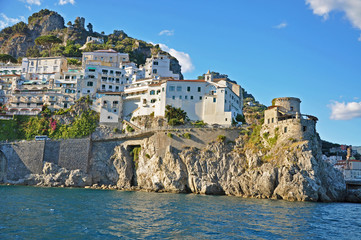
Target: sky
310, 49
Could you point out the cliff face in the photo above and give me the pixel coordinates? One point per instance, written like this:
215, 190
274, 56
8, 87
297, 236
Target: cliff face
297, 174
291, 170
17, 43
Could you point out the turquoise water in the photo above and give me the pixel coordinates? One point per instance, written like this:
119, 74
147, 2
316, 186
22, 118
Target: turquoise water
56, 213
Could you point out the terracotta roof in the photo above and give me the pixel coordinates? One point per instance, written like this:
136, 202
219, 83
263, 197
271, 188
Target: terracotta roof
10, 75
270, 107
198, 80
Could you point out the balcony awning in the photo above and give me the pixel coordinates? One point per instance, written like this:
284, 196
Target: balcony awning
92, 68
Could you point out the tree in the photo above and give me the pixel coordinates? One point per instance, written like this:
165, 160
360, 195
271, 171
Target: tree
69, 24
175, 116
47, 41
33, 52
6, 58
90, 27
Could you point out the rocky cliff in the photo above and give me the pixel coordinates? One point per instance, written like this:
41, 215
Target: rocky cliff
290, 170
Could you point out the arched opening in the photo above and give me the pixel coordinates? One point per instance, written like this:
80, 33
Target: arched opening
3, 163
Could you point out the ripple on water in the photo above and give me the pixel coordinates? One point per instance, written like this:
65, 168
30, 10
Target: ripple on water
43, 213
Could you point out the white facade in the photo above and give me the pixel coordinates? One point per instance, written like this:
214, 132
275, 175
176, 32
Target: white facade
212, 102
108, 58
42, 69
159, 66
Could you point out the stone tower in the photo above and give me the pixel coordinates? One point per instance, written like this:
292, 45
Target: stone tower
208, 76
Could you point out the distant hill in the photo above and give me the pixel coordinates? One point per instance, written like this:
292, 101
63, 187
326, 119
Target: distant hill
18, 40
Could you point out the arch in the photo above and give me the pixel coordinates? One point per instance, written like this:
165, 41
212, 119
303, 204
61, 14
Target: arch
3, 163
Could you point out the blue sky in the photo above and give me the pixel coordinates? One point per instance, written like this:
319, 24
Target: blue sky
309, 49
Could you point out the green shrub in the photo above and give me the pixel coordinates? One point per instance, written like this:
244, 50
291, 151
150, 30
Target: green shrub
187, 135
170, 135
178, 114
240, 118
174, 121
151, 115
199, 124
147, 155
115, 130
266, 135
221, 138
129, 128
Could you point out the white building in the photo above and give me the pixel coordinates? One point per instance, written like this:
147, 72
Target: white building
215, 101
42, 69
158, 66
94, 40
108, 58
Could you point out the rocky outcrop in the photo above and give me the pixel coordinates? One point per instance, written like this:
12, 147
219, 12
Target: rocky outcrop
297, 173
41, 23
54, 176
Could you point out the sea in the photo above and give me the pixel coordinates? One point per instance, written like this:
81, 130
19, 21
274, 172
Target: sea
74, 213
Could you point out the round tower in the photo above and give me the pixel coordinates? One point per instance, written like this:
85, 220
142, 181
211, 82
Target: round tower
290, 104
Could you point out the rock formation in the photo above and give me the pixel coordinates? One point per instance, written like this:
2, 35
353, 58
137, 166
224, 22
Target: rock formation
291, 170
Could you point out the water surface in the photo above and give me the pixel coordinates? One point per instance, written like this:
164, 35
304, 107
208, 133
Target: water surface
57, 213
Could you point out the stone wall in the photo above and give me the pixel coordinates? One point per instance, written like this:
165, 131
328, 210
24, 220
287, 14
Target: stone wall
21, 158
298, 129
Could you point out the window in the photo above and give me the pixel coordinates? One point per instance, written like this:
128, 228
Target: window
162, 89
155, 71
179, 88
117, 80
155, 63
111, 71
214, 99
152, 92
291, 108
268, 121
116, 88
185, 97
173, 97
191, 97
158, 91
110, 87
91, 69
153, 100
111, 58
200, 97
89, 84
285, 129
199, 89
171, 88
115, 110
188, 89
272, 120
180, 97
304, 128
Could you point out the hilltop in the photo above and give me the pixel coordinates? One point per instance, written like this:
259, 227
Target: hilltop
19, 40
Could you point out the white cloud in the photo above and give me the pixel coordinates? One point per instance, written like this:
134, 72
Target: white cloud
28, 7
7, 21
63, 2
281, 25
359, 38
32, 2
351, 8
184, 59
345, 111
166, 32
